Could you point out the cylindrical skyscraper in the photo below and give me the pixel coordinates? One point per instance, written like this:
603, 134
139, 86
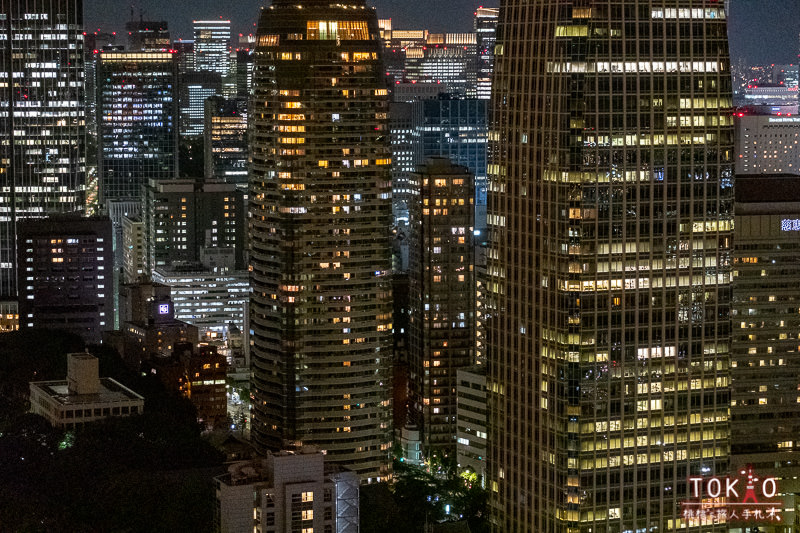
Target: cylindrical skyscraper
320, 205
609, 271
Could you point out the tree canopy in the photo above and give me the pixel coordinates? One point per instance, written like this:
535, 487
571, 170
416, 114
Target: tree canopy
149, 472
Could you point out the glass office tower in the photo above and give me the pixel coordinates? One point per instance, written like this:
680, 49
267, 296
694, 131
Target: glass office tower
609, 268
137, 117
212, 41
320, 205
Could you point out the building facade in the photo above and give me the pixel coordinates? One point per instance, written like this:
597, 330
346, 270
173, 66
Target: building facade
42, 122
212, 41
148, 328
184, 53
456, 128
196, 88
84, 396
609, 266
767, 144
485, 27
134, 250
287, 491
225, 136
183, 216
137, 118
67, 277
150, 35
320, 216
450, 59
471, 420
766, 325
438, 125
209, 299
206, 383
441, 298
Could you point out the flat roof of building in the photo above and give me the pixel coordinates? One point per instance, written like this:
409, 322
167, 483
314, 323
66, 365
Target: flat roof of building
111, 391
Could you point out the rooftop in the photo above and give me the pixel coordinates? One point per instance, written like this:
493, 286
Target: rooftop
111, 391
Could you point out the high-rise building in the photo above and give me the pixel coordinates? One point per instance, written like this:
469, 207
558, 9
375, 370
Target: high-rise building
320, 206
402, 140
456, 128
442, 126
149, 35
441, 297
92, 44
394, 52
244, 72
225, 136
767, 144
765, 362
212, 39
471, 420
208, 298
609, 267
137, 118
485, 27
195, 89
134, 249
67, 281
184, 52
42, 122
184, 215
447, 58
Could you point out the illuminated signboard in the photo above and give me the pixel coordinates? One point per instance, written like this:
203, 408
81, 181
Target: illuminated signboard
790, 224
163, 309
746, 498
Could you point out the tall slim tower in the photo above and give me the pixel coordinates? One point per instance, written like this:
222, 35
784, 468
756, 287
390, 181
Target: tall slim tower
441, 297
212, 41
485, 26
609, 268
42, 120
320, 205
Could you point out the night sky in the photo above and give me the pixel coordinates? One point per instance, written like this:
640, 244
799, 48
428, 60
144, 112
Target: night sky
762, 31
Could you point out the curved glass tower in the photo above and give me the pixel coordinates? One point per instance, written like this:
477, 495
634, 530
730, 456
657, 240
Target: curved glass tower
610, 263
320, 205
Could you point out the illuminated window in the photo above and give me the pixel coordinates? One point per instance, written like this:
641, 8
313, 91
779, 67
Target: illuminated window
329, 30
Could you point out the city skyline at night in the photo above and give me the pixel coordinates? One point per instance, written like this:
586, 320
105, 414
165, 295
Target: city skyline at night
400, 267
758, 34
